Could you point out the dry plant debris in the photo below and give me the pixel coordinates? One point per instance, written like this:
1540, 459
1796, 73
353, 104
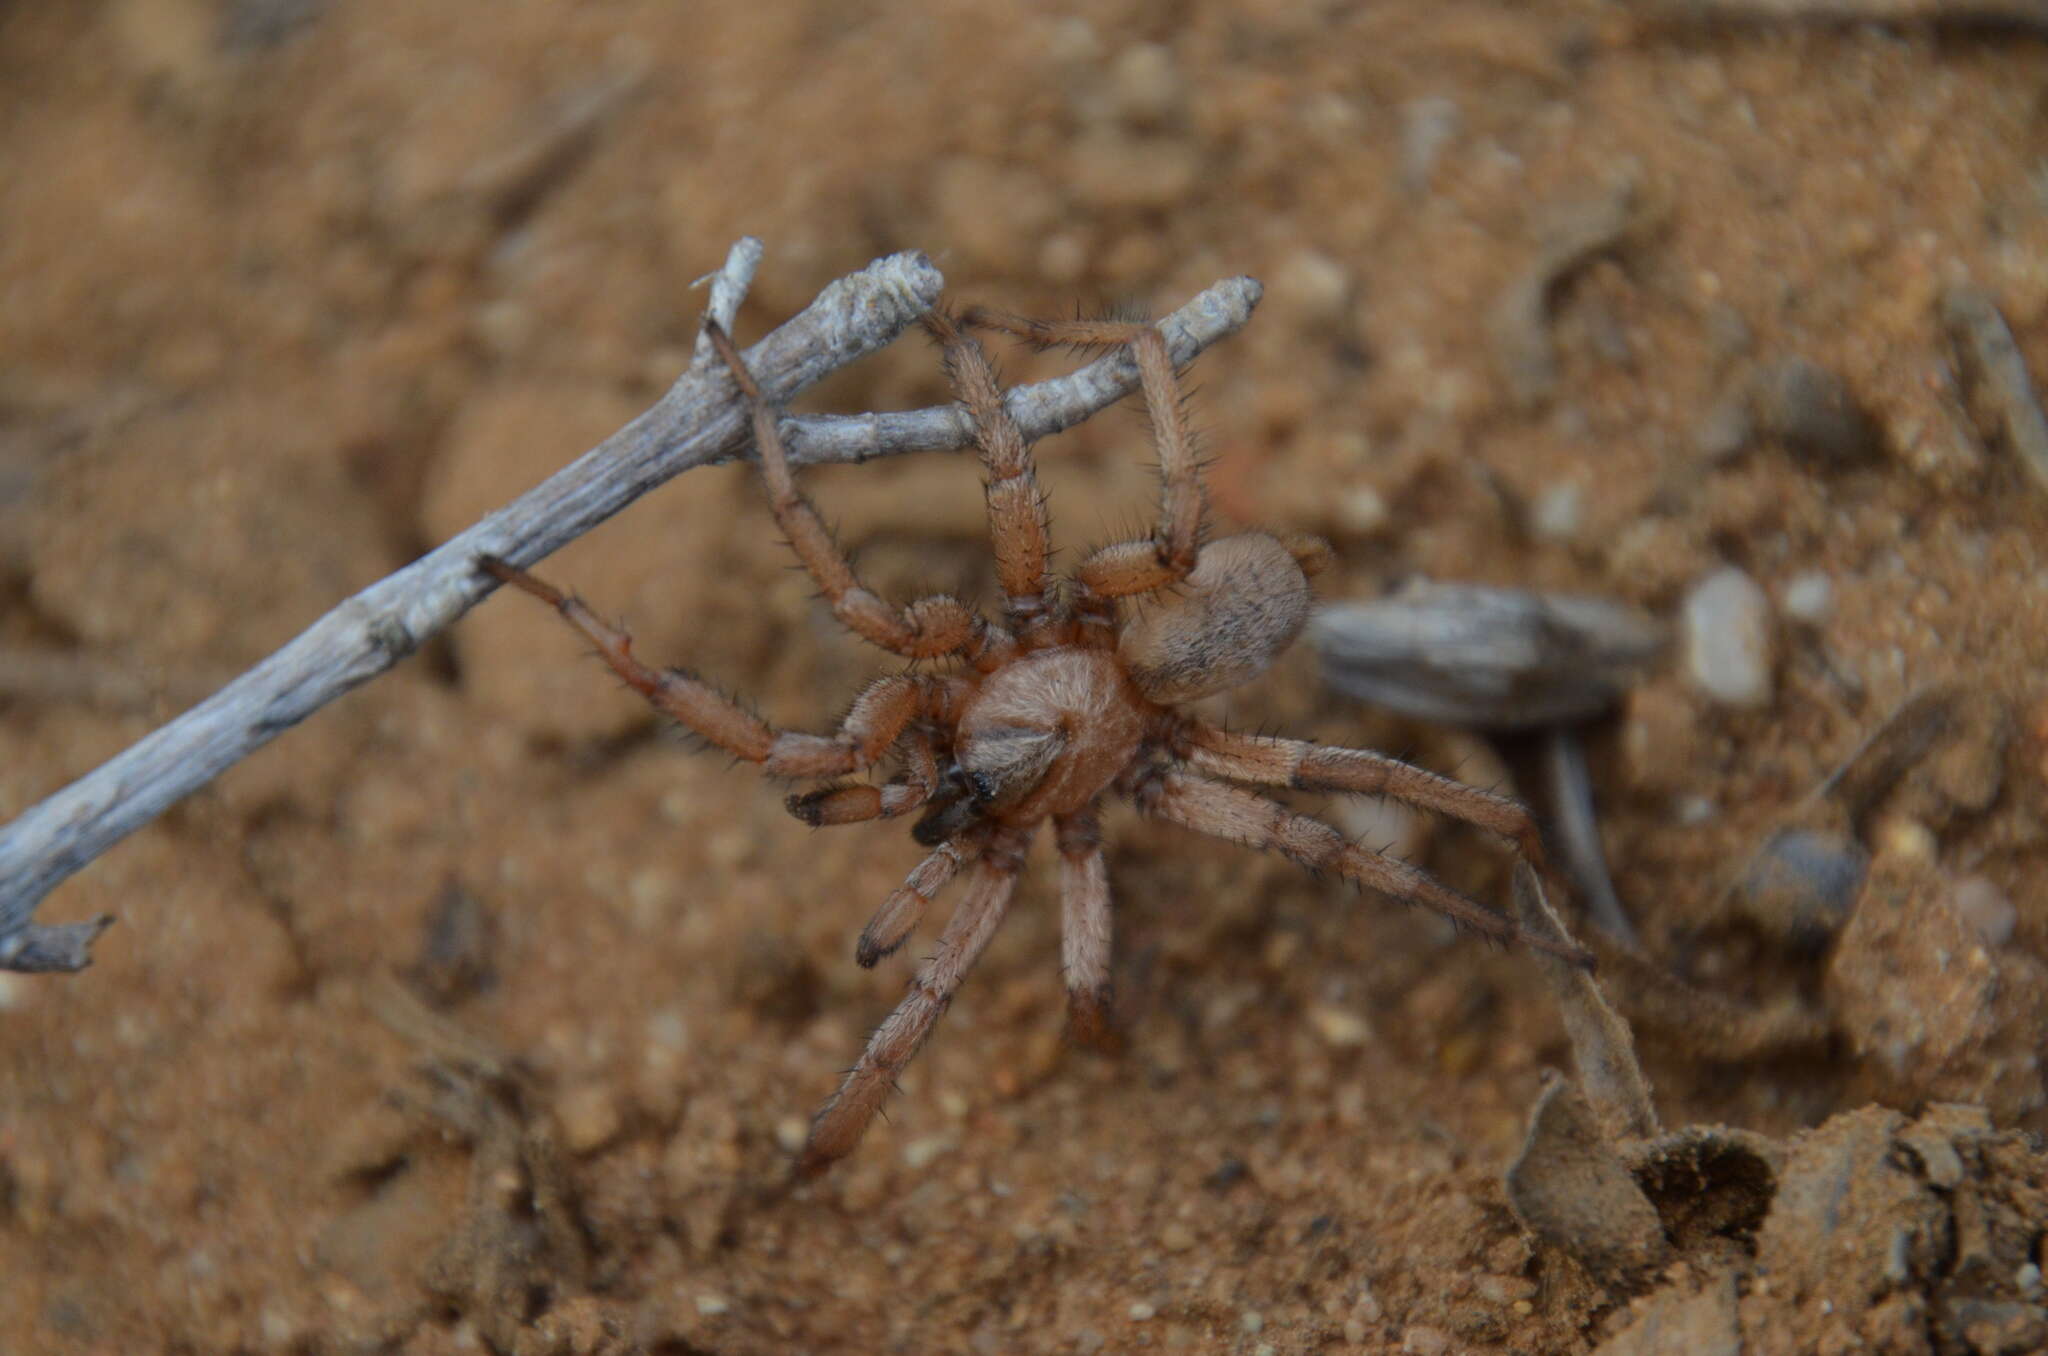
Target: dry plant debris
515, 1246
1523, 666
1905, 1235
1996, 385
1490, 658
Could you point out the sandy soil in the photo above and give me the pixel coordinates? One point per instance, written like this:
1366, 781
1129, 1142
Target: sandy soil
479, 1012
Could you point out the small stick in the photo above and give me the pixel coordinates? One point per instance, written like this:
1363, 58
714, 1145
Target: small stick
1602, 1045
697, 423
2000, 393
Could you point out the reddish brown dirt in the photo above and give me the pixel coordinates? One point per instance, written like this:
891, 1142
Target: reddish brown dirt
290, 291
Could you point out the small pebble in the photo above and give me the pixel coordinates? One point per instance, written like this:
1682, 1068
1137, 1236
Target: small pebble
1907, 839
652, 894
1145, 83
1252, 1321
1813, 413
455, 954
1339, 1028
1140, 1311
1725, 624
281, 1327
790, 1133
1176, 1237
1985, 910
1808, 596
1428, 125
590, 1117
711, 1306
667, 1030
1560, 512
1725, 430
1313, 284
1803, 884
1362, 511
1418, 1339
2027, 1280
1503, 1289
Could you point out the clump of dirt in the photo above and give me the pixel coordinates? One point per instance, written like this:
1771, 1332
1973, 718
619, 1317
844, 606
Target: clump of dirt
1729, 322
1879, 1233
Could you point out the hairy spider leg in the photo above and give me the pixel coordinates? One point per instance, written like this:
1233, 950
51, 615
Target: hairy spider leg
878, 717
1125, 569
1085, 929
897, 1040
1187, 798
926, 629
901, 912
1273, 761
1019, 528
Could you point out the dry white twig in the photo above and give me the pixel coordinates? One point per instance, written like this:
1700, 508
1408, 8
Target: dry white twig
699, 421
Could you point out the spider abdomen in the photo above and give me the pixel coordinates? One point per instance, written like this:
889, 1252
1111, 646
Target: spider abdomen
1046, 733
1243, 603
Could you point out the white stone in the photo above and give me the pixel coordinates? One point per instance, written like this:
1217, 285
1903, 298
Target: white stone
1560, 512
1985, 910
1313, 284
1726, 639
1808, 596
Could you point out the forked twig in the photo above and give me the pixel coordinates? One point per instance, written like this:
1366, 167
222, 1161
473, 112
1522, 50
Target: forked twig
700, 421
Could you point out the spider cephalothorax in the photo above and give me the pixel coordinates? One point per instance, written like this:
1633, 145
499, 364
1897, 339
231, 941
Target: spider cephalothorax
1073, 696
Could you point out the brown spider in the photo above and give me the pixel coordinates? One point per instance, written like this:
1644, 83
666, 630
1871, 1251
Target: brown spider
1074, 696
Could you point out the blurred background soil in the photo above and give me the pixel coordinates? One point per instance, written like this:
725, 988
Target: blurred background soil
480, 1012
